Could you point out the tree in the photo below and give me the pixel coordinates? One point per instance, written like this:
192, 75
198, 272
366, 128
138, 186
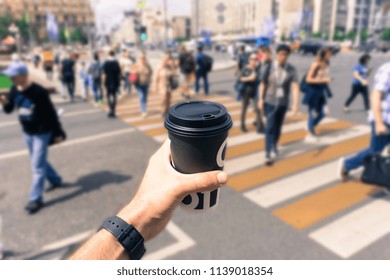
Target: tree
316, 35
386, 34
350, 35
338, 35
63, 39
5, 22
77, 35
364, 35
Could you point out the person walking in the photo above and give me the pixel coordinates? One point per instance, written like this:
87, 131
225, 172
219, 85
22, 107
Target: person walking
48, 63
143, 72
360, 83
111, 78
379, 118
204, 65
317, 91
85, 79
41, 127
126, 65
162, 82
187, 68
248, 78
95, 71
67, 70
279, 79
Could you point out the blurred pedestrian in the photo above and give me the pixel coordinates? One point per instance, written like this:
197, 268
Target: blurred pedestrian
242, 60
248, 78
37, 58
95, 72
48, 63
126, 64
111, 78
41, 127
380, 123
187, 68
360, 83
279, 79
204, 65
317, 91
143, 72
162, 83
85, 79
67, 70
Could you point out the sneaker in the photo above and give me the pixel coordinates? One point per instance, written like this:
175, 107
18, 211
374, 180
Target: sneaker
346, 110
311, 138
33, 207
52, 187
144, 115
342, 172
269, 160
243, 129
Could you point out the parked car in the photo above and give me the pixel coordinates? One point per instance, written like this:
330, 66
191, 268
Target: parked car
367, 47
312, 46
382, 46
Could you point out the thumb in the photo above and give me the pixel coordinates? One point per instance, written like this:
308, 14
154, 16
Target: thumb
202, 182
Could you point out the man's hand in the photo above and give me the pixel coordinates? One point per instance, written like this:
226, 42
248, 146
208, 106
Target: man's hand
294, 110
161, 191
364, 82
58, 140
381, 129
3, 99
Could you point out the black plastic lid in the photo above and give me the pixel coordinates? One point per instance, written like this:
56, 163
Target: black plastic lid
198, 119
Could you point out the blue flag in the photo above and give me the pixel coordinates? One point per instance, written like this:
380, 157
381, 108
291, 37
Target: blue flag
52, 27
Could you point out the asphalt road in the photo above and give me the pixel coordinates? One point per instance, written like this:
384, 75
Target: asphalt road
295, 210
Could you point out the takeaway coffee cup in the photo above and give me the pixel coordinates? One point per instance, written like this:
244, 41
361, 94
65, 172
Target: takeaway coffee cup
198, 131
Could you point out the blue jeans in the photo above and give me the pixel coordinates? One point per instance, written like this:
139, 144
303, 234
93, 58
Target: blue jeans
202, 75
97, 90
38, 148
377, 144
315, 118
275, 118
143, 97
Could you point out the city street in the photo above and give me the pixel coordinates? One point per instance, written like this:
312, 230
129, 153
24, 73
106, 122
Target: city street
296, 209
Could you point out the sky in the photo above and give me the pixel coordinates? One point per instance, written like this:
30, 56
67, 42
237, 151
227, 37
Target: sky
175, 7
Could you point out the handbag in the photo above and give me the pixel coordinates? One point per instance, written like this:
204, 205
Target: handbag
61, 133
377, 170
173, 82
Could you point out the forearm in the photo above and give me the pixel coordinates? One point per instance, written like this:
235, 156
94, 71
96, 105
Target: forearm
359, 78
261, 92
295, 89
376, 106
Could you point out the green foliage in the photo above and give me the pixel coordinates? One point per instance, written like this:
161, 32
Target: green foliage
386, 34
364, 35
316, 35
5, 22
350, 35
77, 35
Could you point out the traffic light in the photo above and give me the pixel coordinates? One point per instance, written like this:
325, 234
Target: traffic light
143, 33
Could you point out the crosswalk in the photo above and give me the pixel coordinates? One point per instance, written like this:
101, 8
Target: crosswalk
302, 188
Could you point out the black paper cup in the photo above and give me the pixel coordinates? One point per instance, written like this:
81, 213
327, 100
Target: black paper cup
198, 131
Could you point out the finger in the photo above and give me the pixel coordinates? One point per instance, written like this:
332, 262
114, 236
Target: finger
202, 182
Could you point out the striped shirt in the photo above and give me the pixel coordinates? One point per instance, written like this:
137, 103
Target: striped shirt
382, 84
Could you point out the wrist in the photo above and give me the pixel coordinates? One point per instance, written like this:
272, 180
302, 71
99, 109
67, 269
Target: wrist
136, 215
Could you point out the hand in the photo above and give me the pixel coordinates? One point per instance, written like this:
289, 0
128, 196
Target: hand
161, 191
58, 140
381, 129
295, 111
364, 83
327, 80
3, 99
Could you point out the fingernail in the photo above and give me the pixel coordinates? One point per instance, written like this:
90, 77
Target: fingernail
222, 177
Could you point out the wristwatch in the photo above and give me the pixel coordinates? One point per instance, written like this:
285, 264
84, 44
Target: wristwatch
127, 236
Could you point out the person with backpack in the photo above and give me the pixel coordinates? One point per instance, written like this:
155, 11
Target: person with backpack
279, 80
143, 75
95, 71
360, 83
379, 118
187, 68
317, 91
204, 65
248, 78
112, 81
163, 82
67, 72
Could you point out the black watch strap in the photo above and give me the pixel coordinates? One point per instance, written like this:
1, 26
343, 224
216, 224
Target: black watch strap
127, 236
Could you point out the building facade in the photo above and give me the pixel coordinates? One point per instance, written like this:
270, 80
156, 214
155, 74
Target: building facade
68, 13
181, 27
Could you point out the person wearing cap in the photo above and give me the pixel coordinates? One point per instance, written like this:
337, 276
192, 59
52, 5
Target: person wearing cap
41, 127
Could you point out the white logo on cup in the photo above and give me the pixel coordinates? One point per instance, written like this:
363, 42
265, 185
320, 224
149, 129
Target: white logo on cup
220, 161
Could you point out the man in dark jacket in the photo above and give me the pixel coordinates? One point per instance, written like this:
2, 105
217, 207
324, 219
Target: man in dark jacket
112, 79
41, 127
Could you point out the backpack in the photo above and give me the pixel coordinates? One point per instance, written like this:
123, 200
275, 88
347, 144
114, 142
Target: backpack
207, 62
95, 71
189, 65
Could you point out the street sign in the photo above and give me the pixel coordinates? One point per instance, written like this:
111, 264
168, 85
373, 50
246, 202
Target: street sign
220, 7
221, 19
